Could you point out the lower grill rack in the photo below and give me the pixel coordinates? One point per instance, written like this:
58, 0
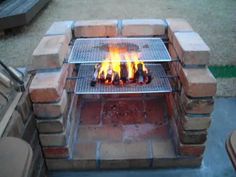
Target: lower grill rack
159, 84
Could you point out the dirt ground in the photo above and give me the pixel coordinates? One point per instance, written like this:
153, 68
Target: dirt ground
214, 20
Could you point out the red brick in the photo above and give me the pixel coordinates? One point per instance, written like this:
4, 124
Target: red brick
50, 52
61, 28
124, 155
51, 110
101, 133
90, 113
191, 49
123, 112
192, 149
143, 27
197, 122
177, 25
48, 86
197, 105
96, 28
198, 82
56, 152
154, 111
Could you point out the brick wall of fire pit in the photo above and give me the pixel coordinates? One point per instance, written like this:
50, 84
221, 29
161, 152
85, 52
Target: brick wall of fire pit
189, 105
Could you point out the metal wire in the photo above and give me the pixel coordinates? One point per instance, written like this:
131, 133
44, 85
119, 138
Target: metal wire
159, 84
94, 50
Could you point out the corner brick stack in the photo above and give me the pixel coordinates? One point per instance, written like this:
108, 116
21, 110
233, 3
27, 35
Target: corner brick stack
48, 91
195, 102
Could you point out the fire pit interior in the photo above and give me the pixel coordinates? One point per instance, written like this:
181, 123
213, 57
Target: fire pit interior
128, 94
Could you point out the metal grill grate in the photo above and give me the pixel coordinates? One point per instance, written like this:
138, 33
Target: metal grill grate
95, 50
159, 84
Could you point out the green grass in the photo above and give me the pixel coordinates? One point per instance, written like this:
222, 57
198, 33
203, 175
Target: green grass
223, 71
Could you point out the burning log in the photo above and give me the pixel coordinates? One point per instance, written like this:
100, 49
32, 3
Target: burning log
116, 80
123, 72
148, 78
95, 75
140, 75
109, 75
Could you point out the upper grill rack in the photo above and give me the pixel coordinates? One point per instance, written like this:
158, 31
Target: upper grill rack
94, 50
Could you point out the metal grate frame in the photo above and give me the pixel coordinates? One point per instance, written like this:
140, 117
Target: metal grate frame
94, 50
159, 84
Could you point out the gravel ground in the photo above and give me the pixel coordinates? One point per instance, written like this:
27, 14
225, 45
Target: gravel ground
214, 20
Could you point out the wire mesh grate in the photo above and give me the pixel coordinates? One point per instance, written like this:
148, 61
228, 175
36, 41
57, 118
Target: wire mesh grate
93, 50
159, 83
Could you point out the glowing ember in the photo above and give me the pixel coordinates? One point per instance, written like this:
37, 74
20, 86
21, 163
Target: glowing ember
121, 67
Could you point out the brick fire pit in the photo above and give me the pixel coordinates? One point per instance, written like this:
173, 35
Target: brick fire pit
116, 131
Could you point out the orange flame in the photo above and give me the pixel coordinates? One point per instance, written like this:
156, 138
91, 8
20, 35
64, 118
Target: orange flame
114, 59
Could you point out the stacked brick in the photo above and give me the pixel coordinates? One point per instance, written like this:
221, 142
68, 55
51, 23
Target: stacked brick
48, 91
22, 125
194, 103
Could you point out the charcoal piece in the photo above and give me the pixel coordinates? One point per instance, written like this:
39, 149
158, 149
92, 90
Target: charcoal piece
93, 83
148, 79
123, 72
102, 78
116, 80
140, 75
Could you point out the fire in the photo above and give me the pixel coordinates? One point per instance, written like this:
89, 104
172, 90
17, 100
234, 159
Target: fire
120, 66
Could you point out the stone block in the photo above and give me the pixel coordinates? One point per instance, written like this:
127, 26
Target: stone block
47, 87
143, 27
163, 149
198, 82
96, 28
197, 105
177, 25
196, 122
61, 28
191, 48
51, 110
124, 155
52, 125
50, 52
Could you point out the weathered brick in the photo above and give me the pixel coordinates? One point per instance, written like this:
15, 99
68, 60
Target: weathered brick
198, 82
196, 150
55, 139
56, 152
124, 155
163, 149
196, 122
154, 110
143, 27
24, 106
61, 28
197, 105
177, 25
102, 133
191, 49
192, 137
50, 52
177, 162
84, 158
51, 110
96, 28
52, 125
48, 86
15, 127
